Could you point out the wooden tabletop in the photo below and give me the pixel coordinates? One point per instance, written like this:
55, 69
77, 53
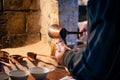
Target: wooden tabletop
41, 61
54, 75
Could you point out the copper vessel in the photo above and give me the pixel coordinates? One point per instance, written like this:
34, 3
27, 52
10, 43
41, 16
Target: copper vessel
55, 31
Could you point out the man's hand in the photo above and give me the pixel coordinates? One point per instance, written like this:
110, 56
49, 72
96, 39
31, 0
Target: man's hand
83, 28
61, 48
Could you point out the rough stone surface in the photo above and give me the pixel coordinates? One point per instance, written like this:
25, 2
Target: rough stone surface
68, 14
3, 23
0, 5
13, 40
33, 22
28, 21
16, 23
49, 10
21, 5
20, 22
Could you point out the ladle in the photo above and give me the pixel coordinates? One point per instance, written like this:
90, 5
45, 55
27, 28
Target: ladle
34, 55
55, 31
30, 55
4, 58
5, 55
5, 63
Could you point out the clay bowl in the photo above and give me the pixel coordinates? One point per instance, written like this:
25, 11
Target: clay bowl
39, 73
19, 75
4, 76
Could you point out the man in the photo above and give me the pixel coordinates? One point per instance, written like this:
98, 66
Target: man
100, 59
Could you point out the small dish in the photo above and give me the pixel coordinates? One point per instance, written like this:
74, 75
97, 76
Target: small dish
39, 73
19, 75
3, 76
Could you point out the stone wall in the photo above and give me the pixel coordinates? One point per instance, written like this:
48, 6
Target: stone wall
49, 15
24, 22
68, 17
19, 22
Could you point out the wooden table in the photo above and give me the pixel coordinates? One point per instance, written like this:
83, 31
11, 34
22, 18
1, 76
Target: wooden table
44, 61
54, 75
48, 62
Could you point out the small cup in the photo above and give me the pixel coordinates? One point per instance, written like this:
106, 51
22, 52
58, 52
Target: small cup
39, 73
3, 76
19, 75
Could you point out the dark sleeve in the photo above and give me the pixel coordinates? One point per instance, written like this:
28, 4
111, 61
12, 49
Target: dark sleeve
98, 59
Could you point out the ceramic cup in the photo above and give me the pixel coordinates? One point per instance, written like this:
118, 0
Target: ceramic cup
39, 73
19, 75
3, 76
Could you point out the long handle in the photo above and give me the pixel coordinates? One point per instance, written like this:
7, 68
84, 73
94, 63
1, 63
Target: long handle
7, 64
74, 32
46, 56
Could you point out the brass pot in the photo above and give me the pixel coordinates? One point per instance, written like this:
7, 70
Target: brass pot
55, 31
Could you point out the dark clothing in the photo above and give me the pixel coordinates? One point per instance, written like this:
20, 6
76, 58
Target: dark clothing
100, 59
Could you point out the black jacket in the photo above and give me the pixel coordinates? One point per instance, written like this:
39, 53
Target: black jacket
100, 59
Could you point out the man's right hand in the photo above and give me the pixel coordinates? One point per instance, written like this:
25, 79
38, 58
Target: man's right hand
61, 48
83, 28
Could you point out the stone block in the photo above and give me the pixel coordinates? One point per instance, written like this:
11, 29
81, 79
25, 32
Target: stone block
16, 22
3, 24
35, 5
19, 40
0, 5
32, 38
21, 4
13, 40
68, 17
33, 22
